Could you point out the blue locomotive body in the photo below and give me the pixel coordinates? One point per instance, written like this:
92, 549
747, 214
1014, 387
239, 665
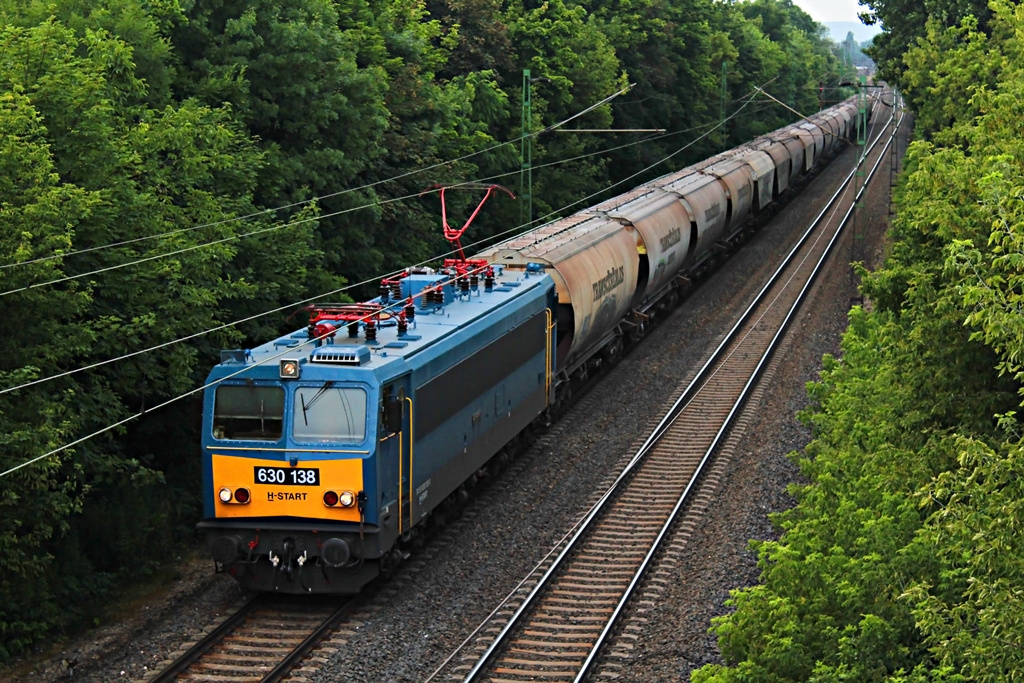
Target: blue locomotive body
323, 455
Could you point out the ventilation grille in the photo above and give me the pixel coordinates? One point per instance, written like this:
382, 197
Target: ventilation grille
341, 355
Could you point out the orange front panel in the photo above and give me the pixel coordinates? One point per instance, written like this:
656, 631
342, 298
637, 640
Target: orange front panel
275, 500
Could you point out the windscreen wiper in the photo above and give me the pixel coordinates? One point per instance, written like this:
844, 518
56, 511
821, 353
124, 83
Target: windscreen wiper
316, 397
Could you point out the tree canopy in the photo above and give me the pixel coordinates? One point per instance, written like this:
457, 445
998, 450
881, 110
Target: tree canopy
900, 561
906, 21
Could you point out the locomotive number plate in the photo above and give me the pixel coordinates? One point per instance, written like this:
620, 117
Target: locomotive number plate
287, 476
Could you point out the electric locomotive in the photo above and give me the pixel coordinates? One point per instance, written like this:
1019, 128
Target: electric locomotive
324, 449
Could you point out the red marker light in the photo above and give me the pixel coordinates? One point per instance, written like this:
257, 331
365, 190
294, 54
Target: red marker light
242, 495
330, 498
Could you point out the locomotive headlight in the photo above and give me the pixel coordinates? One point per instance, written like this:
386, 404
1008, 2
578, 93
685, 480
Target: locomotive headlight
225, 495
347, 499
289, 369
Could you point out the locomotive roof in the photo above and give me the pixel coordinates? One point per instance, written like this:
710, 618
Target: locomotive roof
432, 326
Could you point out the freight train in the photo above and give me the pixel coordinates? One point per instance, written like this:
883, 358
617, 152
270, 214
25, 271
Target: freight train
325, 452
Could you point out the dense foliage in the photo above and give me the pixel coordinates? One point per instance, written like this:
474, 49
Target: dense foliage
906, 21
173, 166
901, 561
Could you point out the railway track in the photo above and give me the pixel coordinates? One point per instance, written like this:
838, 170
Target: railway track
265, 640
569, 607
559, 641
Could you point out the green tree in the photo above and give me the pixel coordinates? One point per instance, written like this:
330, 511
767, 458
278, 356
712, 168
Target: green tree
970, 613
754, 60
89, 164
576, 67
809, 62
905, 21
900, 560
291, 73
671, 51
142, 27
38, 214
480, 35
943, 70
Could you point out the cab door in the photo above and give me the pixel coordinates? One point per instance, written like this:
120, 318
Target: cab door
396, 459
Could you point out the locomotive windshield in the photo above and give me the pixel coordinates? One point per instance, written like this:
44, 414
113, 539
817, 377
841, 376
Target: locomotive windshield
329, 413
248, 412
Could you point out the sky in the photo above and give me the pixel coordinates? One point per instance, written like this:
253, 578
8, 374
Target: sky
830, 10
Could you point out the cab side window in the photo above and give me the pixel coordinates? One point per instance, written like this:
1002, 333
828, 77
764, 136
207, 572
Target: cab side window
390, 412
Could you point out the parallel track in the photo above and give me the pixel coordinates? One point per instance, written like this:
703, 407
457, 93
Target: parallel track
263, 641
560, 627
558, 631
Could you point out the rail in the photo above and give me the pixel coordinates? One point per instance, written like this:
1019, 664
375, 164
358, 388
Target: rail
240, 642
604, 508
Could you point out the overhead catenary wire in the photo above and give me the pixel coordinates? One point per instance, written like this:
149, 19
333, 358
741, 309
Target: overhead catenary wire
332, 292
302, 221
135, 416
264, 212
189, 337
194, 247
289, 224
348, 287
291, 350
651, 138
806, 118
713, 127
628, 178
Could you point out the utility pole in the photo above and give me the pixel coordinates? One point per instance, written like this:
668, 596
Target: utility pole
526, 154
862, 138
862, 113
526, 140
723, 93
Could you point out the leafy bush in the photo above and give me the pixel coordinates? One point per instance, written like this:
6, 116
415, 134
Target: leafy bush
901, 560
